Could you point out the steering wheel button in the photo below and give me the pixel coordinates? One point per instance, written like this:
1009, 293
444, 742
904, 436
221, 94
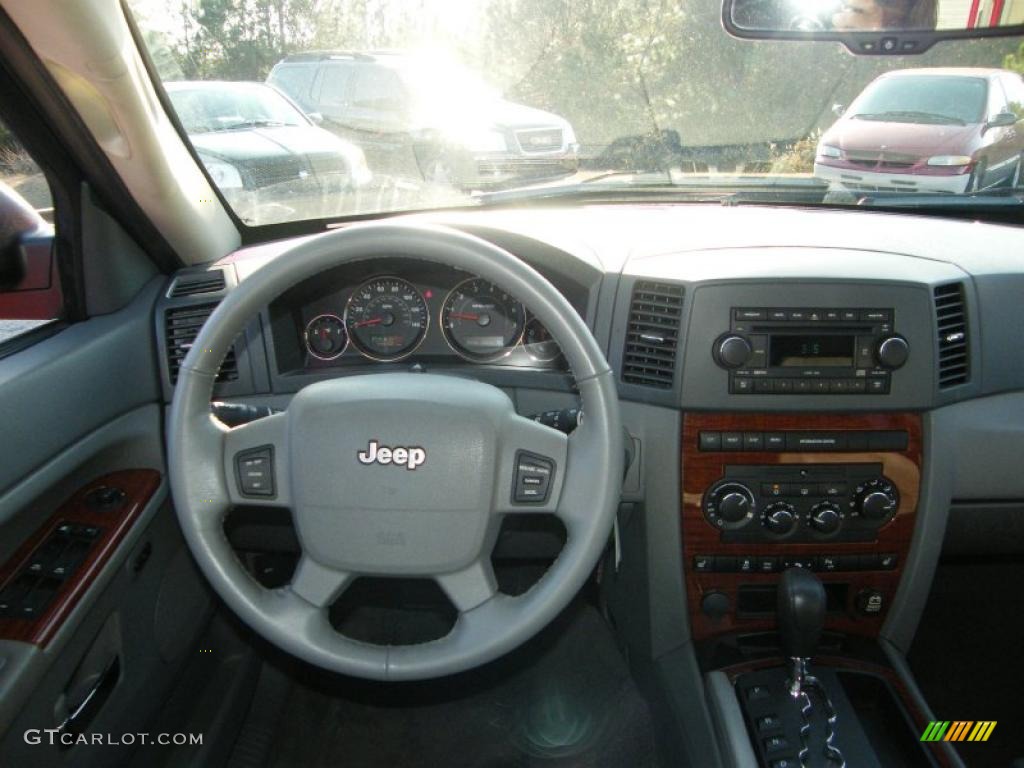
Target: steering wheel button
255, 471
532, 478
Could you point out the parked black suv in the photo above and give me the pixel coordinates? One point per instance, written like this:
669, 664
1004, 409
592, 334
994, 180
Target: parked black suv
417, 115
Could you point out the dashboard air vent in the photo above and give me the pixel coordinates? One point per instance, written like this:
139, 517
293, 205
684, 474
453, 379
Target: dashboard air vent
652, 334
205, 282
951, 321
183, 324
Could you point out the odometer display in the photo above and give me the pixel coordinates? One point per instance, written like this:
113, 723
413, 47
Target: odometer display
386, 318
481, 321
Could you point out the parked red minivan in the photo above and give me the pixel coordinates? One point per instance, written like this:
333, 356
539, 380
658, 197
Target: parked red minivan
928, 130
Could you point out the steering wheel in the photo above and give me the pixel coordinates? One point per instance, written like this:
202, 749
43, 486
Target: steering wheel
397, 474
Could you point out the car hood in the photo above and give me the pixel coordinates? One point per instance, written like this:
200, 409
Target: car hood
853, 135
245, 146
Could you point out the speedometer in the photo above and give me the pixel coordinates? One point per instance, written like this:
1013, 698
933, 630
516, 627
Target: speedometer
481, 321
386, 318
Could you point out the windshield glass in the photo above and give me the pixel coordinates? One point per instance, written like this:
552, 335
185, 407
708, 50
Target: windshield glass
923, 98
473, 102
205, 107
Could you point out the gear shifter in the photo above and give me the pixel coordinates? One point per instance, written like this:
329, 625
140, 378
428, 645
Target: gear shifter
801, 616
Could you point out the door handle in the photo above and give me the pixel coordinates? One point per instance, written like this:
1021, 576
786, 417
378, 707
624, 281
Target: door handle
79, 718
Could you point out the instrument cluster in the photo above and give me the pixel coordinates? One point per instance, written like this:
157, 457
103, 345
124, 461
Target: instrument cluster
413, 310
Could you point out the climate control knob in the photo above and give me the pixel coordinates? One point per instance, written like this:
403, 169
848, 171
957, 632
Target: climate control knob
729, 505
876, 499
733, 351
825, 517
779, 518
734, 506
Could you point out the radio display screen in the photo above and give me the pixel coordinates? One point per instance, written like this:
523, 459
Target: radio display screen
811, 351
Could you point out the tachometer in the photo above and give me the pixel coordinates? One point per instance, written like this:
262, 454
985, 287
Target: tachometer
481, 321
326, 337
386, 318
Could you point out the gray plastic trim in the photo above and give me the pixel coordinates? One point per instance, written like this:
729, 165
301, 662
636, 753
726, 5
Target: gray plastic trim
730, 728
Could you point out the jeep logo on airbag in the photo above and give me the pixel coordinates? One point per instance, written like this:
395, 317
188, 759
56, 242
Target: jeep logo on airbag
409, 457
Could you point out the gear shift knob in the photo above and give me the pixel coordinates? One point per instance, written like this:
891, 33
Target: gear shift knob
801, 612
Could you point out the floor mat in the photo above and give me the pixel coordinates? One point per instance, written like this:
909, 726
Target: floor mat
564, 699
967, 655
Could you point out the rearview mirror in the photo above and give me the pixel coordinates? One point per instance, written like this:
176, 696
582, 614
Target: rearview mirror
868, 26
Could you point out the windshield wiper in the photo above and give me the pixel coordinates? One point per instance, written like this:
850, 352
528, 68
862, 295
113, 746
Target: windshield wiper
254, 124
614, 185
912, 115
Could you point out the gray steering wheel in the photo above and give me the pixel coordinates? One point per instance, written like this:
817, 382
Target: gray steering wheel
431, 504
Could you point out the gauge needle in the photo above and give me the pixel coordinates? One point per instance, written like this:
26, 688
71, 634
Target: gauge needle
374, 321
463, 316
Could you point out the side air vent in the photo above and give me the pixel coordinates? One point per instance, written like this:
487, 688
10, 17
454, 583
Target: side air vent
190, 285
951, 322
652, 334
183, 324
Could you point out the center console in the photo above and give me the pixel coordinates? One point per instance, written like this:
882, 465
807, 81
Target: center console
835, 494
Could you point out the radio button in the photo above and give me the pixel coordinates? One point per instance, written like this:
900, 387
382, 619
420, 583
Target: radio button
878, 386
777, 314
742, 386
710, 441
753, 441
850, 315
858, 385
839, 387
832, 315
876, 315
748, 314
819, 386
797, 314
785, 386
764, 385
775, 441
801, 385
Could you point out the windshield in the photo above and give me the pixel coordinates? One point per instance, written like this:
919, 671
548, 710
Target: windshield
206, 107
474, 102
923, 98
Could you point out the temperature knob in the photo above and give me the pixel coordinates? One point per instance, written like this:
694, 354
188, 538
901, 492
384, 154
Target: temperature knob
779, 518
825, 517
729, 505
876, 500
733, 351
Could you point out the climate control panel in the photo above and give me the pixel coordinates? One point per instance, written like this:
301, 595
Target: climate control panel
800, 502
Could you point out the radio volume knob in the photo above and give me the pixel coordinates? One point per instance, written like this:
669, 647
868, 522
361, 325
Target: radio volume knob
733, 351
825, 517
779, 518
892, 352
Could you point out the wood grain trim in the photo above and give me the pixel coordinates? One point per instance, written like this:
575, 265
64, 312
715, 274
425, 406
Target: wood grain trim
139, 486
888, 674
700, 469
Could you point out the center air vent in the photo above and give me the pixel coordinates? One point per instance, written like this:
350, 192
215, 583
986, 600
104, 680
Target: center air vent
951, 322
183, 324
203, 282
652, 334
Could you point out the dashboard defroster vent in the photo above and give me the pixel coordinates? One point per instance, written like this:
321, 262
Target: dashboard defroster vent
951, 323
190, 285
652, 334
182, 325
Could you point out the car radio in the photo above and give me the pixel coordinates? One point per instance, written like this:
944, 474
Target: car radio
810, 351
